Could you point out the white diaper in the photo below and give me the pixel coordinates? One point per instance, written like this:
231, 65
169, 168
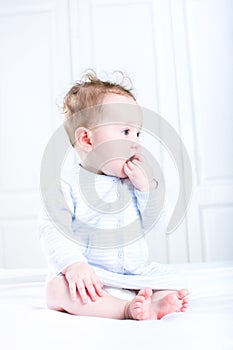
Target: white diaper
120, 293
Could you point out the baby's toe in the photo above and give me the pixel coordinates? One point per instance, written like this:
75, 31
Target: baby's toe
184, 308
182, 293
140, 298
146, 292
137, 304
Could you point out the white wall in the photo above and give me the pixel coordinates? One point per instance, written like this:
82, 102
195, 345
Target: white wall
179, 55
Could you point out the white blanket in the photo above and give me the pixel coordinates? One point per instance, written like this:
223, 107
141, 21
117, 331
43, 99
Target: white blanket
26, 323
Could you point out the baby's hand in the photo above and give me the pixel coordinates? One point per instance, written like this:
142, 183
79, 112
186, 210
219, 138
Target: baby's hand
82, 279
139, 173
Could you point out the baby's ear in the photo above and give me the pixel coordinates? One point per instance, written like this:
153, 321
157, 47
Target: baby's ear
83, 139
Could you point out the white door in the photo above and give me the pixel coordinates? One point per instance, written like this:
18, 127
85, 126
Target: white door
34, 70
209, 30
179, 55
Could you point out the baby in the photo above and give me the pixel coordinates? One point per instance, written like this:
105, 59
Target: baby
103, 122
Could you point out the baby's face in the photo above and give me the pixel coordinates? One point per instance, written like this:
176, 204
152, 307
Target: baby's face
116, 139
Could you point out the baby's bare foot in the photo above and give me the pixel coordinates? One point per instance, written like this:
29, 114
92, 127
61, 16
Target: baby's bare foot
176, 301
142, 307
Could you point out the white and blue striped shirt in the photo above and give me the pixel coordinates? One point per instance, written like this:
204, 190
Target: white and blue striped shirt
102, 220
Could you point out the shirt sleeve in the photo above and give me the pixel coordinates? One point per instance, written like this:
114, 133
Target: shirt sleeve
55, 228
153, 209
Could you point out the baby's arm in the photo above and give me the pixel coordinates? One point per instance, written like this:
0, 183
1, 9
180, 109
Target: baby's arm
66, 256
150, 198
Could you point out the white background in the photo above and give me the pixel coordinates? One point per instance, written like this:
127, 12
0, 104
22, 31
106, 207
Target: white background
179, 54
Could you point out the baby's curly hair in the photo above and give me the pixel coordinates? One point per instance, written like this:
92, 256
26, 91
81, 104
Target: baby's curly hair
89, 92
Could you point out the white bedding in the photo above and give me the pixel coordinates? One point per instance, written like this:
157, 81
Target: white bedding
26, 323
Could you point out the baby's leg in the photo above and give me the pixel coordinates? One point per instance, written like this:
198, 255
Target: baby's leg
148, 305
58, 298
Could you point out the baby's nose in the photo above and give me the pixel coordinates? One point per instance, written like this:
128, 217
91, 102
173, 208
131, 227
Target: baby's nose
135, 145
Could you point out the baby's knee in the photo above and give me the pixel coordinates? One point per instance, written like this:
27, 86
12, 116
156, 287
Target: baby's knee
54, 292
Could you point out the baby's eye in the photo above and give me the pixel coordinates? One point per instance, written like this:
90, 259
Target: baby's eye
138, 133
125, 132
